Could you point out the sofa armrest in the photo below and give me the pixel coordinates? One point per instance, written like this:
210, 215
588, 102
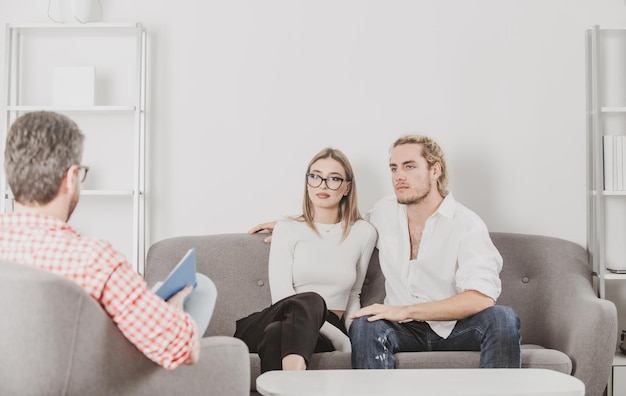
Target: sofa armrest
548, 281
224, 366
586, 330
223, 369
72, 347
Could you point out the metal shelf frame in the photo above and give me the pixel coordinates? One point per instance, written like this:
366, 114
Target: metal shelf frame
595, 180
596, 194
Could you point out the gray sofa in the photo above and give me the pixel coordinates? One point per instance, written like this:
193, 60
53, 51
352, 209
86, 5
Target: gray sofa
548, 281
57, 340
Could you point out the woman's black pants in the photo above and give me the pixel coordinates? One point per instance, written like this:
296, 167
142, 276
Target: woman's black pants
290, 326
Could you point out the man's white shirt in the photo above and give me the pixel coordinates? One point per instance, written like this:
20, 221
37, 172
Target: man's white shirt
456, 254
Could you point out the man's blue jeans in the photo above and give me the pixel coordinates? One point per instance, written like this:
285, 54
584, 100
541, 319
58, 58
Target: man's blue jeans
495, 332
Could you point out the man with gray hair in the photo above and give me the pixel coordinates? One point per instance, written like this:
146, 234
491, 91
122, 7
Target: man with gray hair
43, 168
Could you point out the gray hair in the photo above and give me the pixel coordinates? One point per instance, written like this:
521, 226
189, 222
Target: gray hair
40, 147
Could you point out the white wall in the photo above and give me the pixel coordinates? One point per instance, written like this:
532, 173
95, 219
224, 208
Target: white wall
243, 93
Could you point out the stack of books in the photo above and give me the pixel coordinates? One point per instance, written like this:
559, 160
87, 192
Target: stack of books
614, 148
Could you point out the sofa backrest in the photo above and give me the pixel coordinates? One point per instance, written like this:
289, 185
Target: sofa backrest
237, 264
534, 268
540, 275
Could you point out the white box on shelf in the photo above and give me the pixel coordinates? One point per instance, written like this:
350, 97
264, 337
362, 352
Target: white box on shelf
74, 86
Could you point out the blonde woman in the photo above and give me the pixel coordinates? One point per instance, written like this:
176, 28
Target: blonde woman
317, 264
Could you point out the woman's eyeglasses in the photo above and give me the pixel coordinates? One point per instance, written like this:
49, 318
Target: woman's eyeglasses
332, 182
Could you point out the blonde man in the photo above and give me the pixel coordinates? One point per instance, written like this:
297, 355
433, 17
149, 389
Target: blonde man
441, 271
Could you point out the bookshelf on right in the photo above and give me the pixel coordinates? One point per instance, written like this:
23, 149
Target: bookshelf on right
606, 169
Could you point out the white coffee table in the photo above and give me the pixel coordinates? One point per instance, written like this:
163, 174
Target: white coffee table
426, 382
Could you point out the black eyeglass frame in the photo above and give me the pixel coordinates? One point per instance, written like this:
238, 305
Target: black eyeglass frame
325, 180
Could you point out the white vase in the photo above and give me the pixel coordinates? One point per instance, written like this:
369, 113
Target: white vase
73, 11
85, 10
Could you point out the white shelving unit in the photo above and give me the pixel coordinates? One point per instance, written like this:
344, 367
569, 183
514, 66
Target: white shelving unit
606, 206
112, 202
606, 115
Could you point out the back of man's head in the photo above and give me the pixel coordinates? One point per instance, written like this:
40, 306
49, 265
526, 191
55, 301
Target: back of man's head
40, 148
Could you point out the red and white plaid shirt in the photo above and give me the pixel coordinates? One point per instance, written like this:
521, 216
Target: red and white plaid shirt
162, 332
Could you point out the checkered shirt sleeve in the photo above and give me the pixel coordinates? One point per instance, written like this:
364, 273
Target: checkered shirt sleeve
165, 334
162, 332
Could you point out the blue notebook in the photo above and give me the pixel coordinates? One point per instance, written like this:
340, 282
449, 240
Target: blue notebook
182, 275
